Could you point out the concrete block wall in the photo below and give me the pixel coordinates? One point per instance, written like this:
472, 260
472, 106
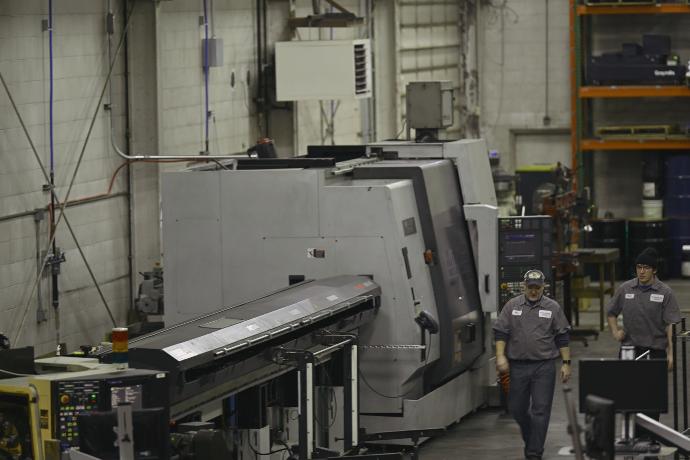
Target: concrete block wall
314, 117
232, 125
234, 122
429, 48
513, 78
80, 67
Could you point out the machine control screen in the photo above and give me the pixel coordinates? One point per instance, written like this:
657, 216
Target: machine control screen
126, 395
524, 243
521, 247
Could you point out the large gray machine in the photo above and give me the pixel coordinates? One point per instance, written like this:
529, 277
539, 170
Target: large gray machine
420, 219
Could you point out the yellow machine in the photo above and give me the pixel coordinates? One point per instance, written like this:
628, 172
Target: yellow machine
19, 422
38, 414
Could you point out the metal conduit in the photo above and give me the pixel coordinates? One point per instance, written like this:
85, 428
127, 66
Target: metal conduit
418, 25
430, 48
148, 156
21, 214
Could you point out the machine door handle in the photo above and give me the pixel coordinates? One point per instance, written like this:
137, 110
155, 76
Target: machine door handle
486, 283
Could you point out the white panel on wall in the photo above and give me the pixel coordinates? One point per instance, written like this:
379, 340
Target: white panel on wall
323, 69
542, 149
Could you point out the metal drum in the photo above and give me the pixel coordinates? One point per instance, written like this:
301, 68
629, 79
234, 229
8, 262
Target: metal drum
677, 194
645, 233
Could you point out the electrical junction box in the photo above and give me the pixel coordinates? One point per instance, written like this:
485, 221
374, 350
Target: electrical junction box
323, 69
215, 52
429, 104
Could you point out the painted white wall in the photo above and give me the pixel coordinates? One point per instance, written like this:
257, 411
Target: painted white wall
429, 47
80, 67
181, 79
513, 77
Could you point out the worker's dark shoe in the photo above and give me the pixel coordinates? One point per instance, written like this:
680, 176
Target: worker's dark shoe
533, 457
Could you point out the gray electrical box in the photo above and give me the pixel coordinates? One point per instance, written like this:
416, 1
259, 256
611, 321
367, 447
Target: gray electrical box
215, 52
429, 104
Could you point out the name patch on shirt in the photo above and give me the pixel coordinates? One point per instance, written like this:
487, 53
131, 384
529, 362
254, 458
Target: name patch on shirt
517, 312
630, 296
544, 313
656, 297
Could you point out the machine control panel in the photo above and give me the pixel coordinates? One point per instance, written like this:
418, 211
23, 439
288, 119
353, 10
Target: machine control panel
74, 397
524, 243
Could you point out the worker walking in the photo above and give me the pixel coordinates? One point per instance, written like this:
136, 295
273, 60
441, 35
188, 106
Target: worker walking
531, 333
649, 310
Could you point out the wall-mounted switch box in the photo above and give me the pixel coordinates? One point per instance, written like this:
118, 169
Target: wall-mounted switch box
215, 52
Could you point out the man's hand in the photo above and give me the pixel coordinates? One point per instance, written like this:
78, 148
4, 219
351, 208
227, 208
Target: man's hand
502, 364
565, 372
669, 359
619, 334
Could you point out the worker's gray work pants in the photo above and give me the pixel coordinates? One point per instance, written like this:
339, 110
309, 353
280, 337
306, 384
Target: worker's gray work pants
532, 385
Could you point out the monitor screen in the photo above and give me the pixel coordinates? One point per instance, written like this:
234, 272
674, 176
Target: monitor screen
150, 430
130, 394
521, 247
15, 427
613, 379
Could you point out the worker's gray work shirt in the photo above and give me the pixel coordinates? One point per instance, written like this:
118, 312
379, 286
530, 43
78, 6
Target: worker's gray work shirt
531, 328
646, 313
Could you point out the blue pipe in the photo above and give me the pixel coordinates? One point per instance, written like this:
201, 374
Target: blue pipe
206, 70
50, 35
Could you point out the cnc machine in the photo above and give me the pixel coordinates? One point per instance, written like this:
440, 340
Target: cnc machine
419, 219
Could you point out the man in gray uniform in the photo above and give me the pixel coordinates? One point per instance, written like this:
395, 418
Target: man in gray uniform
649, 310
531, 332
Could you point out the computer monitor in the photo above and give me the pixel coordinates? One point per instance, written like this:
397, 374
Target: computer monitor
150, 429
633, 386
17, 361
600, 428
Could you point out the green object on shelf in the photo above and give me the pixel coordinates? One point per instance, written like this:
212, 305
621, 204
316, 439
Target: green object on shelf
536, 168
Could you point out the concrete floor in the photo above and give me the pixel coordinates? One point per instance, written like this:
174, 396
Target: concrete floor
491, 434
